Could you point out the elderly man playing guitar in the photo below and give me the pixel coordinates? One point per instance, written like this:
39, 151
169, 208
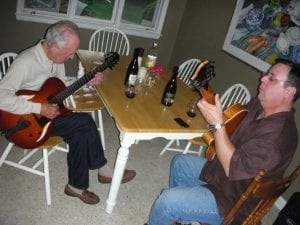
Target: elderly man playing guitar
41, 69
205, 190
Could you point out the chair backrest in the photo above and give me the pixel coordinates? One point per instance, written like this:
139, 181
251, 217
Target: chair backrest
109, 39
237, 93
6, 60
267, 192
186, 70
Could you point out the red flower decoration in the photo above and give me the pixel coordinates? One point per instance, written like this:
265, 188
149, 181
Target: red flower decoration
157, 70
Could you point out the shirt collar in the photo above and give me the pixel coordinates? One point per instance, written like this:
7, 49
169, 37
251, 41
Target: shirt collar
42, 53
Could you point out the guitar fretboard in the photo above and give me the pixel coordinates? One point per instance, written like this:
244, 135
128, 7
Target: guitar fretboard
60, 97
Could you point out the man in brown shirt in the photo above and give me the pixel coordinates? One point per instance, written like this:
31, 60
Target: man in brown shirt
265, 139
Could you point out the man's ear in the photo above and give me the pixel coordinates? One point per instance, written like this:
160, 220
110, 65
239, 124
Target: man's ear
291, 91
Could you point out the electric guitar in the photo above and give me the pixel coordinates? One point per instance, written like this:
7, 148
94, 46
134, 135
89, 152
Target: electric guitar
32, 130
232, 115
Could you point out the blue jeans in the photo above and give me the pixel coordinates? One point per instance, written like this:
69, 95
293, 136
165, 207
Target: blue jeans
186, 200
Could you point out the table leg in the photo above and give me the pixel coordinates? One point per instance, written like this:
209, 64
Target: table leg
120, 165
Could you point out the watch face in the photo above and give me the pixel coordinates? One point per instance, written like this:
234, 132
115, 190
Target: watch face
211, 128
214, 127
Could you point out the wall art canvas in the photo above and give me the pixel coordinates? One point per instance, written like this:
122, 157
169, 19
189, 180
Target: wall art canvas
263, 30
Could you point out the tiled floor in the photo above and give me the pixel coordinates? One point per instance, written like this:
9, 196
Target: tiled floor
22, 196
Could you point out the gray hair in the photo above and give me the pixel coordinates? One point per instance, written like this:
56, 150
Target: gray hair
59, 33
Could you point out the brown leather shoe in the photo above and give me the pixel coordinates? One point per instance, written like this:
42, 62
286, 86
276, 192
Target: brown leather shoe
127, 176
86, 196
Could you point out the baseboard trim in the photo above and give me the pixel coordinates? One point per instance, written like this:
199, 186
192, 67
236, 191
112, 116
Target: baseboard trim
280, 203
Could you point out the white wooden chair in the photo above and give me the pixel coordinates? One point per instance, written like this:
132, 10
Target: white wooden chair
237, 93
6, 60
109, 39
186, 70
48, 148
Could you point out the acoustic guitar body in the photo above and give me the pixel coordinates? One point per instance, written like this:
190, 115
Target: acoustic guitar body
232, 116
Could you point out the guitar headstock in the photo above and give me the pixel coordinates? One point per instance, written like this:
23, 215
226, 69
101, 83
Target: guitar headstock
204, 73
111, 59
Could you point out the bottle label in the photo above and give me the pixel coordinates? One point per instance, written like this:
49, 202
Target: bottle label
169, 98
140, 59
151, 60
132, 79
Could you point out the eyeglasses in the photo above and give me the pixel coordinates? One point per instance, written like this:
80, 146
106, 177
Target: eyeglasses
272, 78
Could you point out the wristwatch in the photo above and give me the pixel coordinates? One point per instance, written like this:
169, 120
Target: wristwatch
214, 127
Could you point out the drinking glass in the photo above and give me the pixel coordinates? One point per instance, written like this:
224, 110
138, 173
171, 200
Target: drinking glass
192, 108
130, 91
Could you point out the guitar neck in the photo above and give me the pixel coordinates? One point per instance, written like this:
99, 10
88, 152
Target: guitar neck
208, 94
60, 97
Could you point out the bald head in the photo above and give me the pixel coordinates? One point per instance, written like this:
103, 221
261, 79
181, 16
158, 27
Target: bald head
60, 32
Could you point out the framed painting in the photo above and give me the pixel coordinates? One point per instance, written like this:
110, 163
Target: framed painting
263, 30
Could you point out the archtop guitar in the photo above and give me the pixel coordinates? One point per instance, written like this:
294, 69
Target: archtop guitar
32, 130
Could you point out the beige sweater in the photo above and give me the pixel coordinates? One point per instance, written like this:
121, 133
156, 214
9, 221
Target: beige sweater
29, 71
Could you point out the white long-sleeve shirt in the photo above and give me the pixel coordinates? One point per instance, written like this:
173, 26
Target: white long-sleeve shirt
29, 71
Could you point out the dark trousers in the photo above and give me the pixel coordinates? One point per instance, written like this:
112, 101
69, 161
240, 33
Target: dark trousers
85, 149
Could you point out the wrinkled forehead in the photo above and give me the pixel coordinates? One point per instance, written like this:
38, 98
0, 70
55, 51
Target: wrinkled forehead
280, 70
72, 44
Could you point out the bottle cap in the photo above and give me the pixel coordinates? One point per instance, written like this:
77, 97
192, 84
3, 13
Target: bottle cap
175, 69
136, 52
140, 52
